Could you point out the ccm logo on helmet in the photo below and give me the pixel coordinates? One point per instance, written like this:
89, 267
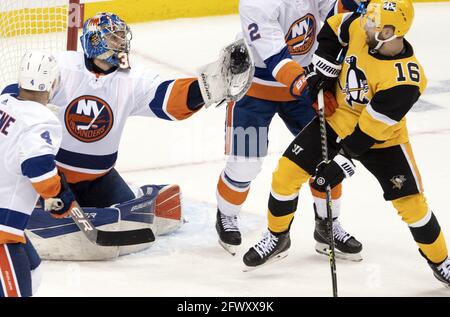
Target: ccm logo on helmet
89, 119
301, 35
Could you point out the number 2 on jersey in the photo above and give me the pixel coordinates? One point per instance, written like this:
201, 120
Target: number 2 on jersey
254, 35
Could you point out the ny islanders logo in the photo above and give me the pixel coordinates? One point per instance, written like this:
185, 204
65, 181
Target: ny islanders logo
301, 35
89, 119
356, 86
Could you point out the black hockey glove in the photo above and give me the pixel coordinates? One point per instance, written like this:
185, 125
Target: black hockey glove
332, 172
323, 76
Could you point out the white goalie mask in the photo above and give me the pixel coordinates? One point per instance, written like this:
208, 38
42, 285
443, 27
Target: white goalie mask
38, 71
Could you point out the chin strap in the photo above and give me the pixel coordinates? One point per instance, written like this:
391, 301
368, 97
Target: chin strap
381, 42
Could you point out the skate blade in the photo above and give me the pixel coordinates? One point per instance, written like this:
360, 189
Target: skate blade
278, 257
324, 249
228, 247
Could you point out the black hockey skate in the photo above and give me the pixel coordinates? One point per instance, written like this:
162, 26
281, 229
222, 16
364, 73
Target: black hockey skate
228, 231
346, 246
269, 249
442, 271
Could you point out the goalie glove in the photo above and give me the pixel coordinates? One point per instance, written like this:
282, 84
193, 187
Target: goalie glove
228, 78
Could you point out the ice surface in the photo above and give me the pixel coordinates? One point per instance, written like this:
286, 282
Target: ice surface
191, 263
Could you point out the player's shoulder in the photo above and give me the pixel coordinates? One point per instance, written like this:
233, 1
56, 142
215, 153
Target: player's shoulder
138, 71
29, 113
267, 6
403, 70
70, 60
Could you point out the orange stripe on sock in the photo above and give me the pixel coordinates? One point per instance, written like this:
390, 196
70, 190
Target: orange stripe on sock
336, 192
177, 104
48, 188
231, 196
7, 274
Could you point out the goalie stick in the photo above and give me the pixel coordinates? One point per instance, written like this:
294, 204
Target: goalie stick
99, 237
108, 238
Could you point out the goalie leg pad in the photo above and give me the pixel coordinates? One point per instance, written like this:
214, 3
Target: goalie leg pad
61, 239
168, 211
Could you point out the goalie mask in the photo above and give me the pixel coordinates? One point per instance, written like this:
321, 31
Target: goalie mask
107, 37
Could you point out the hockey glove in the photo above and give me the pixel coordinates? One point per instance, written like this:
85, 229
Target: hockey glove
330, 104
299, 85
60, 205
323, 77
332, 172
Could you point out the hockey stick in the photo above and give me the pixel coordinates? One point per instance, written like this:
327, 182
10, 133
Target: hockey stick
108, 238
324, 145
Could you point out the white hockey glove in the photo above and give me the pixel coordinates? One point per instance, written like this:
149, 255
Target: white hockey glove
228, 78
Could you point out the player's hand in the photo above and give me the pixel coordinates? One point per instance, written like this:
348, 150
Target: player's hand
60, 205
330, 103
332, 172
299, 85
317, 81
323, 76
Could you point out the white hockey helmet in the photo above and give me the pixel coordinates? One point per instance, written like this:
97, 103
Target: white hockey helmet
38, 71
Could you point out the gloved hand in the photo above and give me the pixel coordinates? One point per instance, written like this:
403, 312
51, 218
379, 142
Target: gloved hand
330, 103
60, 205
323, 77
332, 172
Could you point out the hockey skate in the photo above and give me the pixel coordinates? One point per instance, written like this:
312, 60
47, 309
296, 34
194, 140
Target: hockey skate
442, 271
269, 249
346, 246
228, 231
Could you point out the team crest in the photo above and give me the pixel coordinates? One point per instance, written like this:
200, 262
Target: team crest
301, 35
88, 119
356, 86
398, 181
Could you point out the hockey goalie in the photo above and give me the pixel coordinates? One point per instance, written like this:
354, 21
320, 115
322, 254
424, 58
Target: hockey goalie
98, 90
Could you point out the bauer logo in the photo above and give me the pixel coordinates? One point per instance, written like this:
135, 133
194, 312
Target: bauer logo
89, 119
301, 35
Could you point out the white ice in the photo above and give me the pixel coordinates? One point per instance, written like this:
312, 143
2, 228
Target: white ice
191, 263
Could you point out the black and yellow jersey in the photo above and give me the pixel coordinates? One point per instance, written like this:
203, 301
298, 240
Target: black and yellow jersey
374, 92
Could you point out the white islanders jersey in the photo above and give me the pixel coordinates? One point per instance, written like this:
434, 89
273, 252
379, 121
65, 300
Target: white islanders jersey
280, 32
93, 110
30, 135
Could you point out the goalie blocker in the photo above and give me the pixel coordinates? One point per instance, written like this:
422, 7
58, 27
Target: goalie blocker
159, 208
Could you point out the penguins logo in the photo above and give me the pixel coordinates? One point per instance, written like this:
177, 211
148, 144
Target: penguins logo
356, 86
88, 119
398, 181
301, 35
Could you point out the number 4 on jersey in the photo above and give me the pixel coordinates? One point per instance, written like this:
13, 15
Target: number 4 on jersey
46, 137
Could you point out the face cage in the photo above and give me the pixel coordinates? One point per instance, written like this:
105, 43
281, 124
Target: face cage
111, 35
